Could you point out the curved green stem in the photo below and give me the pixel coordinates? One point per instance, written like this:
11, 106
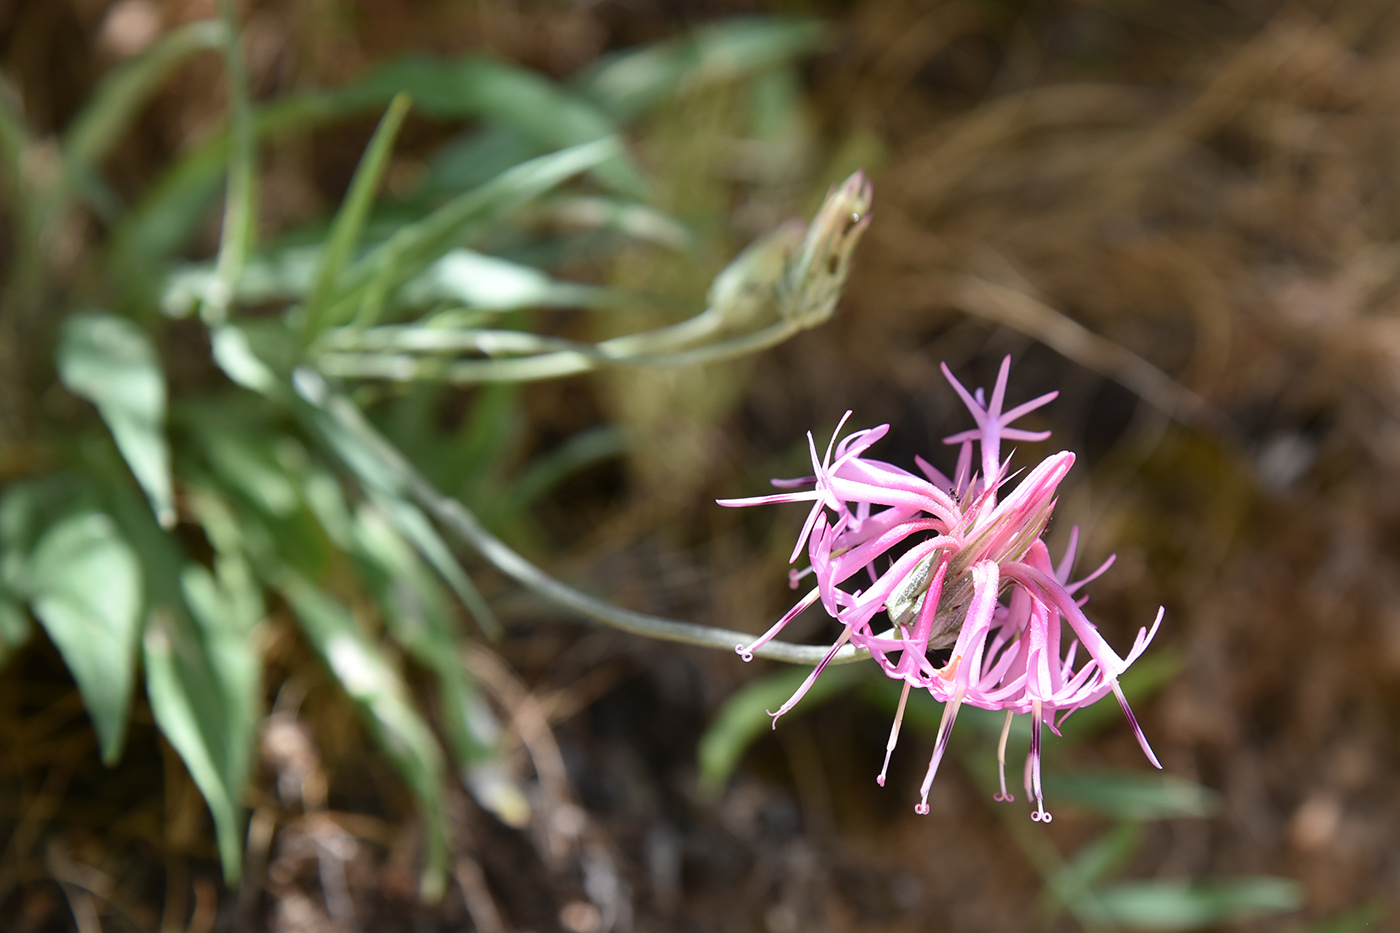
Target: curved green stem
459, 520
577, 358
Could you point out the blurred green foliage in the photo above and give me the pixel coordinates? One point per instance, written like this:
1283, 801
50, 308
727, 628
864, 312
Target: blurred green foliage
158, 540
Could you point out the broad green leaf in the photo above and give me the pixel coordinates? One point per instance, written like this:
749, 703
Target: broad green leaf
477, 280
1132, 796
474, 158
84, 584
110, 361
202, 678
266, 472
350, 219
384, 704
202, 670
1192, 905
246, 462
744, 716
237, 351
28, 509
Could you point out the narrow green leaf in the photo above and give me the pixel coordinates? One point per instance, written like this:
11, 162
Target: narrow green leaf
417, 245
1188, 904
416, 609
164, 219
1132, 796
110, 361
350, 219
584, 449
84, 584
550, 116
1071, 884
240, 204
15, 138
745, 716
383, 701
416, 526
122, 93
15, 629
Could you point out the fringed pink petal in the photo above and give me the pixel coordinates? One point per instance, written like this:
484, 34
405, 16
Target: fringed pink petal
746, 651
945, 729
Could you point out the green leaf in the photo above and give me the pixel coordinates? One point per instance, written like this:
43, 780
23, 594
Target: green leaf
1071, 884
629, 82
414, 525
15, 139
241, 200
383, 701
110, 361
166, 217
416, 610
265, 470
414, 247
84, 584
277, 276
202, 678
15, 629
1188, 904
744, 716
1132, 796
202, 670
476, 280
241, 353
122, 93
550, 116
350, 219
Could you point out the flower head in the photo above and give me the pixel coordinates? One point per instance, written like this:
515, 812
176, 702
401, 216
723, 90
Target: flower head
910, 565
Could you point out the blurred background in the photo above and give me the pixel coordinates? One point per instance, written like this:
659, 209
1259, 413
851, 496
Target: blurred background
1184, 216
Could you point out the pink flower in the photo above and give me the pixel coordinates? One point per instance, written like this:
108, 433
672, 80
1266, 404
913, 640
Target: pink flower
948, 564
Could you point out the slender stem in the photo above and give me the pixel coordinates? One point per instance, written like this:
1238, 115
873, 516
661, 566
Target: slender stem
459, 520
568, 362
